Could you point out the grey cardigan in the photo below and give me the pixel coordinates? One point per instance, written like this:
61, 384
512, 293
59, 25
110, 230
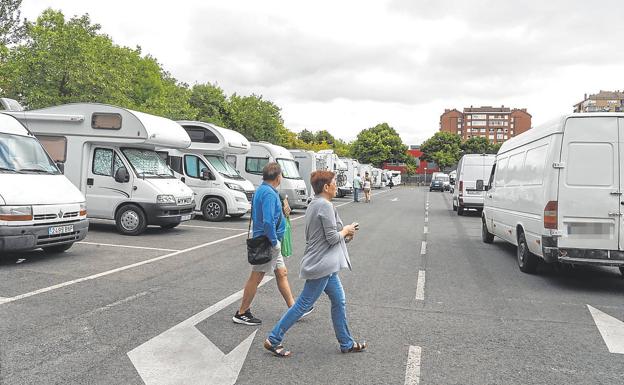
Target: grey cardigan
325, 251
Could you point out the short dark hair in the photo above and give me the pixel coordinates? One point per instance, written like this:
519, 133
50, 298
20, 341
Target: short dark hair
319, 179
271, 171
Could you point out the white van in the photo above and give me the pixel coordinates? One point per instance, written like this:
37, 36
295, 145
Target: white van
219, 189
556, 192
377, 178
396, 177
473, 172
109, 153
329, 161
250, 166
306, 164
30, 218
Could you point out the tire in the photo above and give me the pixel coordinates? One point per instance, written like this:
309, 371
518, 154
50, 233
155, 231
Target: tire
527, 261
57, 248
169, 226
454, 205
130, 220
236, 215
460, 210
486, 236
621, 270
213, 209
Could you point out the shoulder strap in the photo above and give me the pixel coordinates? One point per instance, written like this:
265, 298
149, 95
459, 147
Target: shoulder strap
250, 216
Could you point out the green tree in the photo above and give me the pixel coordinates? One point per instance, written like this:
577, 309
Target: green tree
443, 148
378, 144
324, 136
210, 102
11, 27
254, 117
306, 136
410, 169
476, 145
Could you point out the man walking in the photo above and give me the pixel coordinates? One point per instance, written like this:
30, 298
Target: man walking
357, 185
268, 221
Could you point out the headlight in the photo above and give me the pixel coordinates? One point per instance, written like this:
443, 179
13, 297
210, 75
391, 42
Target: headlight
16, 213
234, 186
83, 209
165, 199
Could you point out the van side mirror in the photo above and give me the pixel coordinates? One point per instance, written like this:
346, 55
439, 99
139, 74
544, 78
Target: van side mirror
121, 175
61, 167
488, 187
207, 174
479, 184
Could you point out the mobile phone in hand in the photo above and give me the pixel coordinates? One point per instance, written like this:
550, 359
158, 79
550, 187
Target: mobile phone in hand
356, 225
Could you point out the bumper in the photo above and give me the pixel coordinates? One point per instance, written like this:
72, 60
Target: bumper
167, 214
585, 256
436, 188
346, 190
22, 238
295, 200
239, 203
471, 202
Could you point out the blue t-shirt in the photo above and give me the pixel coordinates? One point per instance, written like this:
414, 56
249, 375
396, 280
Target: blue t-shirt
266, 213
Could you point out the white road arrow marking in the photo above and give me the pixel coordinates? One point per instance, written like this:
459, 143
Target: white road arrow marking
611, 329
183, 355
394, 200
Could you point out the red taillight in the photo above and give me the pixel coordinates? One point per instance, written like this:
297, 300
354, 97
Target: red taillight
461, 187
550, 215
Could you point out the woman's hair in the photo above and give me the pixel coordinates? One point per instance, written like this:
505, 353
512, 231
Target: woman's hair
319, 179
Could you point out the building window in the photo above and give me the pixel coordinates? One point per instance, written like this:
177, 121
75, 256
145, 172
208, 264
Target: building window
479, 117
491, 136
458, 125
459, 132
482, 130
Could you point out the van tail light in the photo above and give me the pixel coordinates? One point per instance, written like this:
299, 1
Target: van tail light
550, 215
461, 188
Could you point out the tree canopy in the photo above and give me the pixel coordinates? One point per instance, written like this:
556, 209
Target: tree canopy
443, 148
379, 144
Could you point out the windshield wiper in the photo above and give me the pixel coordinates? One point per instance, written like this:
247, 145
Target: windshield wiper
35, 170
8, 169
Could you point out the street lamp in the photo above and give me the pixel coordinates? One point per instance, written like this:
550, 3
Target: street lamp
425, 176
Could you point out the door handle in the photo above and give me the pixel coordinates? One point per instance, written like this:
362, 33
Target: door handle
183, 180
615, 214
89, 181
615, 193
489, 196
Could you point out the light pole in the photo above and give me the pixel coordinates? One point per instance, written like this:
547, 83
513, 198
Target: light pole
425, 176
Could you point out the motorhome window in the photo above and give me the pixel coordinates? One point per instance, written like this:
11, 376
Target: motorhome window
24, 154
56, 146
147, 163
105, 121
103, 162
223, 167
201, 135
255, 165
118, 163
175, 162
194, 166
289, 169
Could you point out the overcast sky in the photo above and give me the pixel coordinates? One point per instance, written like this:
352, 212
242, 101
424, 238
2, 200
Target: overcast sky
348, 65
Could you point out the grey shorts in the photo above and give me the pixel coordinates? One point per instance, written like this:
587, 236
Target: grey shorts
269, 267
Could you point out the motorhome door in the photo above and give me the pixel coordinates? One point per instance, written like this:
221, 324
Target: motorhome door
589, 184
104, 193
198, 175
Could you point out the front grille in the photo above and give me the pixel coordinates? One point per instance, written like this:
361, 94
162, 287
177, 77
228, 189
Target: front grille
72, 214
43, 217
250, 195
301, 192
43, 240
179, 212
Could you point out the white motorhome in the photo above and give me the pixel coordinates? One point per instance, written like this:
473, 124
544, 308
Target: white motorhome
473, 172
30, 218
396, 177
219, 189
556, 192
377, 178
250, 167
352, 169
306, 164
109, 153
327, 160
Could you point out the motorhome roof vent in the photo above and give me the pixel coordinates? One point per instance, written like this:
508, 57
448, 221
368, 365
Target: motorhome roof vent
10, 104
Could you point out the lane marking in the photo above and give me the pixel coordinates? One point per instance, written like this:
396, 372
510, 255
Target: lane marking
423, 248
420, 286
426, 230
184, 355
412, 369
124, 246
611, 329
117, 270
212, 227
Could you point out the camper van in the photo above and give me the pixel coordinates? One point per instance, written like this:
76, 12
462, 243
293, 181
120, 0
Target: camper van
219, 189
396, 177
327, 160
473, 172
306, 164
250, 167
29, 218
352, 169
378, 180
556, 192
109, 153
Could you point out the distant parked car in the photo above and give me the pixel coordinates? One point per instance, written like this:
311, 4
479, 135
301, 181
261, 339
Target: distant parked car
437, 185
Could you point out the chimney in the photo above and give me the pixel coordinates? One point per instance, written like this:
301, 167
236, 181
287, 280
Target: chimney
585, 96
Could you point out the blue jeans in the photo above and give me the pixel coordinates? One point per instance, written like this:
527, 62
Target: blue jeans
355, 194
312, 290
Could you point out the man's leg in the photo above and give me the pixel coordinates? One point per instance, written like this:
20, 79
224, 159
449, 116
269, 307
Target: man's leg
355, 195
281, 277
250, 290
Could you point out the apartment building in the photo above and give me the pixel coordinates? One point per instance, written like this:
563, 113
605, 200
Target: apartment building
497, 124
603, 101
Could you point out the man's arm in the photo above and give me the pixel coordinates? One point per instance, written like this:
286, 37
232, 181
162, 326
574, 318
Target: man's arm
268, 219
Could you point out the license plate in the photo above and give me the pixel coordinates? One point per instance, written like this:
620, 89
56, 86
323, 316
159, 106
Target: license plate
186, 217
474, 192
56, 230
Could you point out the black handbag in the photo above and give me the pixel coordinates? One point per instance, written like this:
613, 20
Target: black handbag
259, 248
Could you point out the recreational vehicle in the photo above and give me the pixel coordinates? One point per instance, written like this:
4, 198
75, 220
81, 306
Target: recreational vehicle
556, 192
377, 176
250, 167
396, 177
109, 153
473, 172
306, 164
39, 207
327, 160
219, 189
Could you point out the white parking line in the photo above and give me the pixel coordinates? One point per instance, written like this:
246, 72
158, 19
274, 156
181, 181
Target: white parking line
124, 246
423, 248
426, 230
412, 369
117, 270
420, 286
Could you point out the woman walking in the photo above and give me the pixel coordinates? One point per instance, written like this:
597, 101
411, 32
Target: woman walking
325, 255
367, 187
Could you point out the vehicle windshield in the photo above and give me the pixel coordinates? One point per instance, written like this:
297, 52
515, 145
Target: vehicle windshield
147, 163
24, 155
289, 169
442, 178
223, 167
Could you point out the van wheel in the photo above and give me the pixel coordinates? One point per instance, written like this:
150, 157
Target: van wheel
130, 220
621, 270
236, 215
486, 236
213, 210
169, 226
527, 261
454, 206
460, 210
57, 248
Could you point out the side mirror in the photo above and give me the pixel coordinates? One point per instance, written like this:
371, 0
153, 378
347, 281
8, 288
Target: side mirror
479, 184
207, 174
487, 188
61, 167
121, 175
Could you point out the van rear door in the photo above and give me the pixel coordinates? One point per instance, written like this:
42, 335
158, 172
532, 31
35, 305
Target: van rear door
589, 185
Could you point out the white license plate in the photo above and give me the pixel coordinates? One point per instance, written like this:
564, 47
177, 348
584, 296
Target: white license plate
474, 192
56, 230
186, 217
